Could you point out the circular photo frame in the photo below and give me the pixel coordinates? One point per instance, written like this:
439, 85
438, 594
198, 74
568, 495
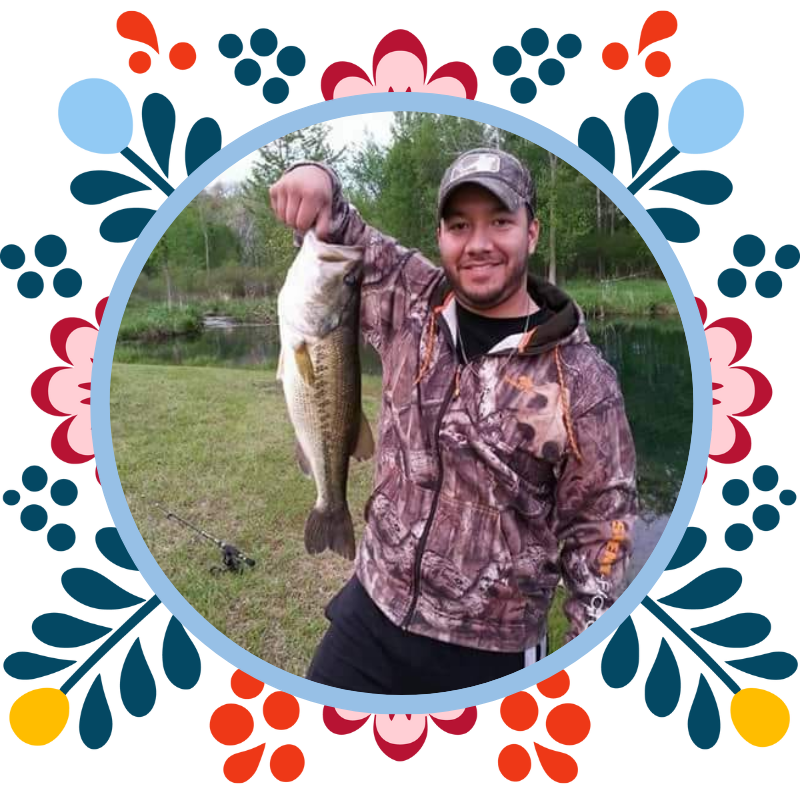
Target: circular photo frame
701, 421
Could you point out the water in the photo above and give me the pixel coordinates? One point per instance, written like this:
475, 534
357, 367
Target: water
650, 356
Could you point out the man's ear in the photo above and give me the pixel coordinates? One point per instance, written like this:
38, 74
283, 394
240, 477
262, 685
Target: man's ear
533, 236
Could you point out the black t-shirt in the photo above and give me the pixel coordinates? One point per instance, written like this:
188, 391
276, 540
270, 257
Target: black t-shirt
480, 334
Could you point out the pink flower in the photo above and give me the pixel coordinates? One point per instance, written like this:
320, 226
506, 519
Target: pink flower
399, 65
399, 736
737, 391
64, 391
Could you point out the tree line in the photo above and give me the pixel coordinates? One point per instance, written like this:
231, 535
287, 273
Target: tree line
227, 244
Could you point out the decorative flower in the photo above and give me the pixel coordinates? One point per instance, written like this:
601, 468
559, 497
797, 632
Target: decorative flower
399, 736
65, 391
248, 70
38, 717
399, 65
232, 724
706, 116
760, 717
567, 723
737, 391
95, 115
508, 61
658, 26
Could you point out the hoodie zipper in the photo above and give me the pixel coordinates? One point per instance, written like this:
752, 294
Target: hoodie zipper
434, 505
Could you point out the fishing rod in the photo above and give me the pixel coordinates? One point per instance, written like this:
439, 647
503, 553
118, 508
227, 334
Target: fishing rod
233, 558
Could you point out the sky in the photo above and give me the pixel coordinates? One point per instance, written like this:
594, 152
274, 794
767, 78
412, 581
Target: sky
343, 131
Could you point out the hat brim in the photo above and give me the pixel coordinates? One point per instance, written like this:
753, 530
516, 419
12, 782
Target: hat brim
499, 188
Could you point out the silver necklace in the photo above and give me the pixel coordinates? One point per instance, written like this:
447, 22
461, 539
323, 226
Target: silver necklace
468, 366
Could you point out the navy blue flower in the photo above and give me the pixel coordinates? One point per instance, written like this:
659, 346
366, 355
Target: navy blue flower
290, 61
50, 253
508, 60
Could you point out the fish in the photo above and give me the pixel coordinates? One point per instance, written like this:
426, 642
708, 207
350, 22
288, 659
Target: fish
320, 371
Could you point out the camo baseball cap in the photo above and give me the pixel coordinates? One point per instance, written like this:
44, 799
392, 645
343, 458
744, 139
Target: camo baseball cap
495, 170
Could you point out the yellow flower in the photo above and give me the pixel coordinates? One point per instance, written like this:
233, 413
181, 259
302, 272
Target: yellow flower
39, 716
761, 717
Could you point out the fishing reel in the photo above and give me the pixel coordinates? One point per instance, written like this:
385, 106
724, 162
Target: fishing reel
233, 559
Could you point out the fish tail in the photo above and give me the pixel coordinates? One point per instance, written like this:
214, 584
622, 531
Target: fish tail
331, 528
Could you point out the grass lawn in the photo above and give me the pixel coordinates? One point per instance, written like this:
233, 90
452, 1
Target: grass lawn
215, 446
639, 297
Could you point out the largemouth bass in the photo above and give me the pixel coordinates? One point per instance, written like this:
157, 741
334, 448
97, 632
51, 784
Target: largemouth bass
319, 367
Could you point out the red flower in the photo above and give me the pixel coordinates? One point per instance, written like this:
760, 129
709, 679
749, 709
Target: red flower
399, 65
567, 724
737, 391
65, 391
232, 724
399, 736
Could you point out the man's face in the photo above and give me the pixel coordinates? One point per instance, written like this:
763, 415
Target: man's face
484, 249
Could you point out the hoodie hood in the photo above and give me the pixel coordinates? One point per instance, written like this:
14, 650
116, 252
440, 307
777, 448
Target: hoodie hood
567, 325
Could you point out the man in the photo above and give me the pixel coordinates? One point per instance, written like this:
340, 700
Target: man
505, 459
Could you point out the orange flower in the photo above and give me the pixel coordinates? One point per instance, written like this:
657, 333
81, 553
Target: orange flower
567, 724
232, 724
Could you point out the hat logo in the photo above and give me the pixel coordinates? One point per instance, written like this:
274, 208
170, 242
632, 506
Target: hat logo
484, 162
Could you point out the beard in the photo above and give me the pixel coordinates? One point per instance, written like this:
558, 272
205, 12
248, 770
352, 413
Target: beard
485, 298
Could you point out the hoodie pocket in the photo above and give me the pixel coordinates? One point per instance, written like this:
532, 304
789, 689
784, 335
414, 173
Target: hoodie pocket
467, 565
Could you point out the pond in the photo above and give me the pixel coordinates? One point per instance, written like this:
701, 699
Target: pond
650, 356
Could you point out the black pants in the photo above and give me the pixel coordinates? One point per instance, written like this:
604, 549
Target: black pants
364, 652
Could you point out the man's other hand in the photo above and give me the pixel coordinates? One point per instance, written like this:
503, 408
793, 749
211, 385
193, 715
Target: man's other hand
302, 198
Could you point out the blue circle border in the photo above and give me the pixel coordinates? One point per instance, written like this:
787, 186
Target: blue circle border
204, 630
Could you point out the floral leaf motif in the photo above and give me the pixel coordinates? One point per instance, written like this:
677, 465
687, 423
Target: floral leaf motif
707, 590
137, 687
110, 544
772, 666
691, 545
641, 121
158, 121
704, 724
205, 139
240, 767
180, 657
702, 186
740, 630
594, 138
677, 226
558, 766
459, 725
100, 186
62, 630
395, 751
338, 724
95, 590
95, 725
663, 687
621, 656
28, 666
125, 225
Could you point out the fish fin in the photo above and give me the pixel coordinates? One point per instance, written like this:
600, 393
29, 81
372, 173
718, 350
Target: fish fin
279, 373
304, 364
365, 444
302, 460
331, 529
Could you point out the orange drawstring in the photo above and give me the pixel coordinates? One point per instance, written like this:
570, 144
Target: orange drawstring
565, 405
426, 359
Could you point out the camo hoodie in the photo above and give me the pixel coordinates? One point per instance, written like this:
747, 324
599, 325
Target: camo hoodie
493, 482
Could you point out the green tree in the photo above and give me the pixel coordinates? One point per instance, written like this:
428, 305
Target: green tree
271, 243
